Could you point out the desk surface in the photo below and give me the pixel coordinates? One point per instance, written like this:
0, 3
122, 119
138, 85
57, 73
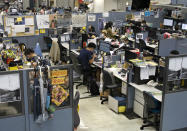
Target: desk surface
155, 92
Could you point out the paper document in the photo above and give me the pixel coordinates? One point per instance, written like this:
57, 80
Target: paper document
184, 63
9, 21
152, 71
91, 18
29, 21
175, 64
42, 21
19, 28
10, 82
144, 73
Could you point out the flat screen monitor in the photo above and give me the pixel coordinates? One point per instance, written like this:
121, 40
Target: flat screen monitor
184, 26
105, 47
139, 36
168, 22
140, 4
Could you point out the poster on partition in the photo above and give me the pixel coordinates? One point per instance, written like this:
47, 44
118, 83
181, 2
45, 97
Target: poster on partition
79, 20
53, 21
42, 21
101, 23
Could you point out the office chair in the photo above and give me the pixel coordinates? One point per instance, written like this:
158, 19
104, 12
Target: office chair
75, 108
142, 45
108, 83
151, 107
77, 70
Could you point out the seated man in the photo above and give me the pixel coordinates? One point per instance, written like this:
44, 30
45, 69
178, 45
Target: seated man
35, 60
86, 57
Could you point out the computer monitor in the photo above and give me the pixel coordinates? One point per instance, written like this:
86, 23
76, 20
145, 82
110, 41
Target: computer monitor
139, 36
104, 46
184, 27
168, 22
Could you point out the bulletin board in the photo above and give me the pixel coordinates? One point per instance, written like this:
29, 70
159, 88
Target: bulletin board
19, 26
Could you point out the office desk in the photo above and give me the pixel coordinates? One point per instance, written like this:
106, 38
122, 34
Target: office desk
155, 92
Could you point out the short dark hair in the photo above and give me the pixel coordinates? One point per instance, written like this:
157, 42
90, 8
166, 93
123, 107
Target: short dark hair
29, 51
174, 52
15, 41
91, 45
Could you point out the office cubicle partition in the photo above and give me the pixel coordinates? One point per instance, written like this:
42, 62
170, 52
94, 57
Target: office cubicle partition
12, 112
174, 107
167, 45
16, 103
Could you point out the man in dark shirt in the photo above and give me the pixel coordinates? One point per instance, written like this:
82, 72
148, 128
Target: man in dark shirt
86, 57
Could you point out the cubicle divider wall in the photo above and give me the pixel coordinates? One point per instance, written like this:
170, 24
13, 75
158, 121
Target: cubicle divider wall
167, 45
174, 108
16, 107
12, 106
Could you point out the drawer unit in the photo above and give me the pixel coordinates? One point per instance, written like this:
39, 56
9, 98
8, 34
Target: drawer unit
138, 109
113, 104
139, 93
139, 99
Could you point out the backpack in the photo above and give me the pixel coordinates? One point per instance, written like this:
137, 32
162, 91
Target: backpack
94, 88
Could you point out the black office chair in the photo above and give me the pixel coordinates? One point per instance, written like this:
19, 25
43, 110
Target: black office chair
151, 107
142, 45
77, 70
108, 83
75, 107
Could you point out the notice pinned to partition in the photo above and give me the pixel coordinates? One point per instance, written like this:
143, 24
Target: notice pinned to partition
42, 21
79, 20
106, 14
29, 21
91, 18
42, 31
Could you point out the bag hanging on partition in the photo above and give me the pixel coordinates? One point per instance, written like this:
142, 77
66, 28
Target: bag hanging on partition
36, 99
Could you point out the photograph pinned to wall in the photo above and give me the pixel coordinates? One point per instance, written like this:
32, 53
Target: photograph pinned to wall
53, 21
29, 30
42, 21
19, 21
91, 18
101, 23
